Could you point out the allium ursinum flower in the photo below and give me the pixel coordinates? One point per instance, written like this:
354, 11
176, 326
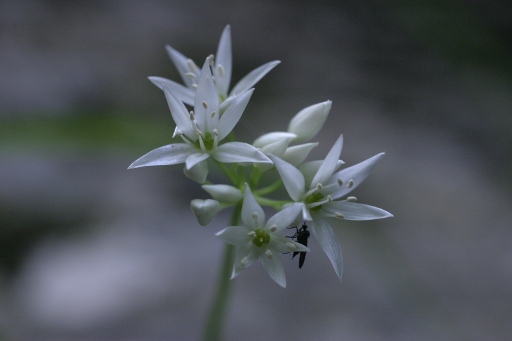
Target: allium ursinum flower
222, 66
256, 239
201, 131
317, 186
302, 127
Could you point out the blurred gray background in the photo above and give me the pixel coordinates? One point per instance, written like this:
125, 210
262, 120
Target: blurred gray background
91, 251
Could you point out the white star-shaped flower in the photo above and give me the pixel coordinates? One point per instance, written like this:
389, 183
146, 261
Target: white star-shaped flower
202, 130
222, 66
317, 186
256, 239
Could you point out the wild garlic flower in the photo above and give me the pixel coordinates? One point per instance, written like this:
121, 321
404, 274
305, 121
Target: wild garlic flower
317, 186
202, 130
256, 239
222, 68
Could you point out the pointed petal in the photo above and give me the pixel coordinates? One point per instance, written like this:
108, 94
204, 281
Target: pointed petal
354, 211
329, 165
183, 93
293, 179
180, 114
325, 236
308, 122
357, 173
224, 58
238, 152
235, 235
253, 77
194, 159
206, 100
285, 217
182, 65
272, 263
198, 172
269, 138
296, 155
167, 155
248, 250
277, 148
232, 114
310, 168
252, 213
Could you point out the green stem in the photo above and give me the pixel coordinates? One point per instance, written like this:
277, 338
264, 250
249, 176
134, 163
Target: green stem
216, 318
269, 189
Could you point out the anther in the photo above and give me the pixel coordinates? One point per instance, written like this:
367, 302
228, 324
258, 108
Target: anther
352, 199
252, 234
192, 116
205, 105
329, 199
339, 215
215, 132
340, 182
268, 253
191, 65
244, 261
350, 183
255, 215
212, 114
210, 59
190, 75
319, 186
220, 70
194, 85
273, 228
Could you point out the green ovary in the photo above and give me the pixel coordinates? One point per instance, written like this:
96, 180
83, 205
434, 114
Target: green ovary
315, 197
262, 238
207, 140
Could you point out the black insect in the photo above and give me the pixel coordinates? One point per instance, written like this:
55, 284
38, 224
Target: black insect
301, 237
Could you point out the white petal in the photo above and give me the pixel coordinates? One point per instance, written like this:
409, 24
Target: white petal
276, 148
354, 211
297, 154
252, 213
274, 267
329, 165
181, 63
205, 210
293, 179
232, 114
248, 250
323, 233
224, 193
238, 152
180, 115
310, 168
194, 159
235, 235
269, 138
253, 77
206, 100
308, 122
198, 173
285, 217
167, 155
224, 58
183, 93
357, 173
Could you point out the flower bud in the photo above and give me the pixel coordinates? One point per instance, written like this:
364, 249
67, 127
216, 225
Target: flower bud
205, 210
197, 173
296, 155
308, 122
224, 193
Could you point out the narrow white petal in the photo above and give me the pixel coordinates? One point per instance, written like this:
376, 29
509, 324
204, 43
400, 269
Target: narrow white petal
329, 165
252, 213
167, 155
253, 77
274, 267
293, 179
297, 154
247, 252
238, 152
272, 137
235, 235
310, 168
183, 93
180, 114
206, 100
323, 233
181, 63
354, 211
285, 217
224, 58
357, 173
308, 122
194, 159
232, 114
198, 172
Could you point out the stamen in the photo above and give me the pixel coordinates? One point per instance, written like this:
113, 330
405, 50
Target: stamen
244, 261
252, 234
340, 182
190, 75
319, 186
339, 215
192, 116
205, 105
210, 59
191, 65
212, 114
350, 183
220, 70
273, 228
255, 215
215, 132
329, 199
268, 253
194, 85
352, 199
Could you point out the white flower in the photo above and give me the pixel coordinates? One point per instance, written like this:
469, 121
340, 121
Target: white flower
256, 239
222, 66
316, 187
201, 131
205, 210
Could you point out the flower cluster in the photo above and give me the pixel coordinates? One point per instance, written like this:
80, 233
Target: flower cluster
205, 112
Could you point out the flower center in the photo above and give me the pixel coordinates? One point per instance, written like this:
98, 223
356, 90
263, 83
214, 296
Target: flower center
262, 238
314, 197
208, 141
